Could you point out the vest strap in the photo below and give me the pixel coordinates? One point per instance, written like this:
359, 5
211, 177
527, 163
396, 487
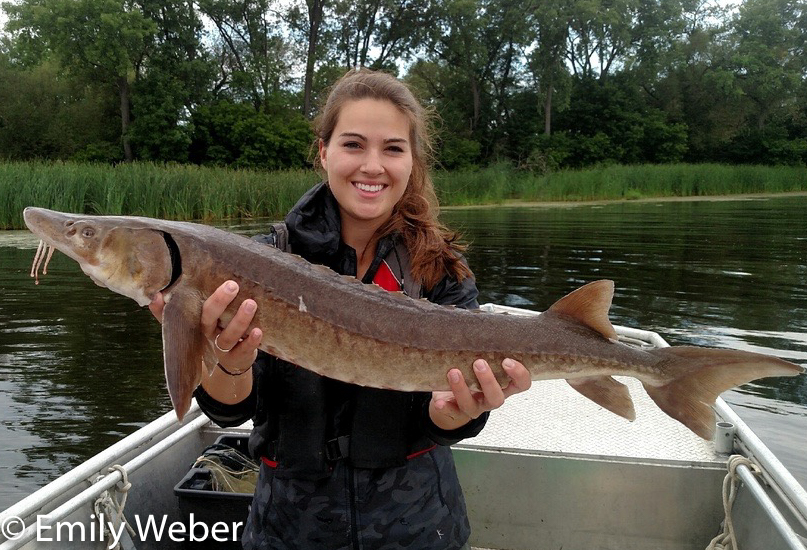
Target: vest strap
280, 234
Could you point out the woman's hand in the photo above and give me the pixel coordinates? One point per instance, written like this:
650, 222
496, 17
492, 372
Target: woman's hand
453, 409
235, 349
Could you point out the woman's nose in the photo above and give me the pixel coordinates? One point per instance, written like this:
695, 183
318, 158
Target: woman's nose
372, 163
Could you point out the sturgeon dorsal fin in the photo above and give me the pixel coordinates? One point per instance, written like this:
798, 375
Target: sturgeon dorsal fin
589, 305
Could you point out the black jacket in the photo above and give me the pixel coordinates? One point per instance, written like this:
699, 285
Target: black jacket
301, 418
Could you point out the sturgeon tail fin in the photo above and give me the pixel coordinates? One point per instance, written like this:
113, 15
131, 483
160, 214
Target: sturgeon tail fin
691, 378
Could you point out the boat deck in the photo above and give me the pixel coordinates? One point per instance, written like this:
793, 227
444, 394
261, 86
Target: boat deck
553, 419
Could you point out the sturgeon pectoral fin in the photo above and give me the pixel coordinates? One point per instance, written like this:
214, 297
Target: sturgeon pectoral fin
606, 392
589, 305
183, 348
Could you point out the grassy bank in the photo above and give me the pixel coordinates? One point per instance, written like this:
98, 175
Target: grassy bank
501, 183
193, 193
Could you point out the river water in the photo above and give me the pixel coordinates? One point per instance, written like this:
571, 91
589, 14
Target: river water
81, 367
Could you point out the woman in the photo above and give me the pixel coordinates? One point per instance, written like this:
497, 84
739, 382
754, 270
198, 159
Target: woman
346, 466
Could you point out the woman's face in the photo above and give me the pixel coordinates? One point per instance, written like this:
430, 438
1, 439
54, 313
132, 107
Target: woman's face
368, 160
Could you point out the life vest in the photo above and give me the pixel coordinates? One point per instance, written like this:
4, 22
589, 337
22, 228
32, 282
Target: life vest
302, 434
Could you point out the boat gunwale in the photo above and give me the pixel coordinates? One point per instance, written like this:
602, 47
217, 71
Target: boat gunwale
610, 459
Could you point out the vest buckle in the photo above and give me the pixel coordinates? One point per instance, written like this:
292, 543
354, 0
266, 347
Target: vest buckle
337, 448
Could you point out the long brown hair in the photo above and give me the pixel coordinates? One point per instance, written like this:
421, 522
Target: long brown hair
433, 249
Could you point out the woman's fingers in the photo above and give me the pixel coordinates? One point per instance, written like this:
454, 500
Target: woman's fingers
492, 394
242, 354
236, 329
520, 378
472, 403
463, 398
236, 345
215, 305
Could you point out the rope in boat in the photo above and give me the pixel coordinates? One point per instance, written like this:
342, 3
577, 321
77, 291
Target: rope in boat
727, 540
230, 470
111, 507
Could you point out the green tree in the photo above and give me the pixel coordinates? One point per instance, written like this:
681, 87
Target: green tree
474, 65
234, 134
698, 87
767, 58
610, 35
309, 28
57, 117
315, 10
610, 121
99, 40
255, 59
546, 62
173, 80
379, 33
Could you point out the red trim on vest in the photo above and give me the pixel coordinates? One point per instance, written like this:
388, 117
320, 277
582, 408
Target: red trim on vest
270, 463
419, 453
386, 279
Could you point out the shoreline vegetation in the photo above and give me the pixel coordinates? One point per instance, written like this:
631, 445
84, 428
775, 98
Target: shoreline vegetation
190, 192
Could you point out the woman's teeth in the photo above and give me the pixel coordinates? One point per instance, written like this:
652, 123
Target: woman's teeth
369, 188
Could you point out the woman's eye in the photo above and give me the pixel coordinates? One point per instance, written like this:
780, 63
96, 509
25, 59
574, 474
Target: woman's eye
351, 145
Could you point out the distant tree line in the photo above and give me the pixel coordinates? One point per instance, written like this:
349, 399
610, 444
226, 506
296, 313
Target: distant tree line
541, 84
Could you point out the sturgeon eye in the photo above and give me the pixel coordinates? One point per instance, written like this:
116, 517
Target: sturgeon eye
88, 232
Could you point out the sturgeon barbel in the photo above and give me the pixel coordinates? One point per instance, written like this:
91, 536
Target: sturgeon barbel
338, 327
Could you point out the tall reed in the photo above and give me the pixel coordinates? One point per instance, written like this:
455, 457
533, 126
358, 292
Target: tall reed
188, 192
181, 192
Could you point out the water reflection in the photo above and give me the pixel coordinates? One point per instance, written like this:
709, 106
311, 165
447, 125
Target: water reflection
80, 366
79, 369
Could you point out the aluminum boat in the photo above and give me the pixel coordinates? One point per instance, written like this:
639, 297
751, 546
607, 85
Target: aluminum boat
550, 470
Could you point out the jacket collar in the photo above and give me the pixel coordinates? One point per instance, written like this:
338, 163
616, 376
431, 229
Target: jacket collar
315, 228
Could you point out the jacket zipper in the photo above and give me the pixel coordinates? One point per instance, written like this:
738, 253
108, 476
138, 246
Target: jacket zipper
354, 527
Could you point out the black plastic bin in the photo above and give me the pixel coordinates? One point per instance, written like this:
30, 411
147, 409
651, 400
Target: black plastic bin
210, 515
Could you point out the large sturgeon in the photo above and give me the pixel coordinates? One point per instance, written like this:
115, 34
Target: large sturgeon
340, 328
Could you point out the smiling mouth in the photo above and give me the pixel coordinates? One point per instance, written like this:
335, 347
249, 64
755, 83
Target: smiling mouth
375, 188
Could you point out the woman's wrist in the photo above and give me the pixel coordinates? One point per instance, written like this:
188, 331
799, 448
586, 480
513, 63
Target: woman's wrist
228, 388
233, 372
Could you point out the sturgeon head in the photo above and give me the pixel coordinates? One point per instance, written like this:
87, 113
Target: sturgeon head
136, 258
117, 253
